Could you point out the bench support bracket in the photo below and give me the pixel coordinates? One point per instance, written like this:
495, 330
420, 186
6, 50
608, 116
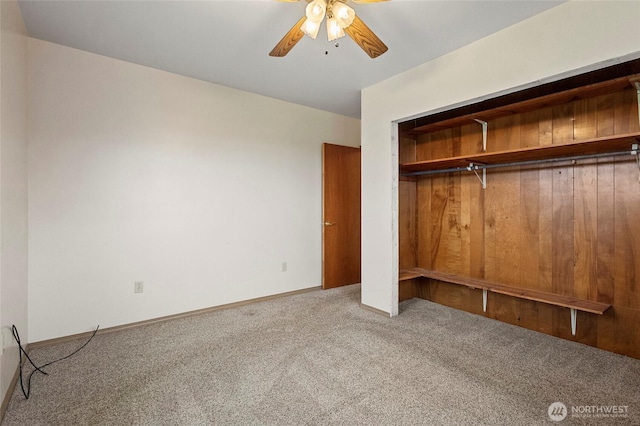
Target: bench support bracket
574, 315
484, 300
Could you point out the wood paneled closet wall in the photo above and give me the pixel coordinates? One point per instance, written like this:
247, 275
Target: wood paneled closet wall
569, 228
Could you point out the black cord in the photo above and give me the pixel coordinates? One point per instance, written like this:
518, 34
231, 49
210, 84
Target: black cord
16, 336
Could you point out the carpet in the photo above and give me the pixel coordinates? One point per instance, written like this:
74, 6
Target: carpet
318, 358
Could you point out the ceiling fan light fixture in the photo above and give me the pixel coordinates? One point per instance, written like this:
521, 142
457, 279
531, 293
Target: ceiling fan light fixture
343, 14
334, 30
341, 20
316, 10
310, 28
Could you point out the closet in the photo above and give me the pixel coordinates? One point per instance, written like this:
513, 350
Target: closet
526, 208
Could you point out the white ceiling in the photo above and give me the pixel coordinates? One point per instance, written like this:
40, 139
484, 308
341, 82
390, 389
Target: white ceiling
227, 42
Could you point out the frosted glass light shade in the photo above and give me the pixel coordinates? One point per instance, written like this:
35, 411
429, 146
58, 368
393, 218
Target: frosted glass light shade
334, 30
310, 28
343, 14
316, 10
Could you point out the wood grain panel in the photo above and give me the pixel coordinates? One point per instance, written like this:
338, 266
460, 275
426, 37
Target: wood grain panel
627, 209
585, 232
507, 226
423, 290
585, 204
407, 289
452, 295
423, 225
626, 112
546, 318
562, 207
627, 235
529, 230
476, 235
504, 134
472, 200
529, 261
523, 313
407, 224
605, 241
466, 183
605, 261
562, 124
530, 130
437, 231
619, 331
452, 228
545, 229
585, 124
470, 139
406, 150
545, 214
604, 115
456, 148
562, 232
545, 125
434, 145
587, 328
505, 184
491, 199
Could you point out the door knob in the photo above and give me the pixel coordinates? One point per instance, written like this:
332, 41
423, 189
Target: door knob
329, 223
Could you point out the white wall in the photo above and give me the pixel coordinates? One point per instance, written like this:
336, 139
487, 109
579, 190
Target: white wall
561, 40
135, 174
13, 186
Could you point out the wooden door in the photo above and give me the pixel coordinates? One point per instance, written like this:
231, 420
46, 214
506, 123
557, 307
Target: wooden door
340, 215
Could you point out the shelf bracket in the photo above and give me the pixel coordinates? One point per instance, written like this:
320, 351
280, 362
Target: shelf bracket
483, 180
484, 300
574, 318
484, 127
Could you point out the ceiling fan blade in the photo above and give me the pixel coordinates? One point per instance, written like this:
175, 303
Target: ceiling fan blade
365, 38
289, 40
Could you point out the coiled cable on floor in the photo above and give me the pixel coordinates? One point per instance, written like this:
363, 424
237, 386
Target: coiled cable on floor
26, 392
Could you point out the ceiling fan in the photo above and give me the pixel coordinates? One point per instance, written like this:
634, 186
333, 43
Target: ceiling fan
341, 19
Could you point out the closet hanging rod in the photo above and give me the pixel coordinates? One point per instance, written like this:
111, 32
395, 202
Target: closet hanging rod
475, 166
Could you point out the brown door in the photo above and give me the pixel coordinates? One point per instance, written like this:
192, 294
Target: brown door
341, 215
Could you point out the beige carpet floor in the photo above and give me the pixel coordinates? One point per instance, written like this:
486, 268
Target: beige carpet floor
319, 359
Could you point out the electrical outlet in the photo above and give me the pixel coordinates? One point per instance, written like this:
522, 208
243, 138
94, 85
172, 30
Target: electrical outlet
138, 286
284, 266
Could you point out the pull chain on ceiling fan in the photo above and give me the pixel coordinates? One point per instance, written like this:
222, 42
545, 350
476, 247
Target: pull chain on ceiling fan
341, 19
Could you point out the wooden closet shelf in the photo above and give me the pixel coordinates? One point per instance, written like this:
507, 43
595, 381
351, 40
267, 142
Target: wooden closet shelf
588, 91
488, 286
602, 145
